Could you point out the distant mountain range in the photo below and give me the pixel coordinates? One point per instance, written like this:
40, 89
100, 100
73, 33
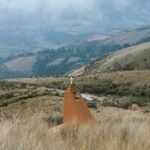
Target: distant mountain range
62, 60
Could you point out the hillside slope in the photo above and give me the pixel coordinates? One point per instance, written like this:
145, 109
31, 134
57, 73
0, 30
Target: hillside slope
65, 59
21, 64
133, 58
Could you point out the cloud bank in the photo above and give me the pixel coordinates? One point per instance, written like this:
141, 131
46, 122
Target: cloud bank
69, 15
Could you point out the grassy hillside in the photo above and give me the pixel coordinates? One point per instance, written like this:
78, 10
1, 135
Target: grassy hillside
31, 107
21, 64
131, 36
120, 89
133, 58
129, 132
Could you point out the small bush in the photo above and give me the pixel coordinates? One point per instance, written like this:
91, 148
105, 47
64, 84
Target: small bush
91, 104
55, 120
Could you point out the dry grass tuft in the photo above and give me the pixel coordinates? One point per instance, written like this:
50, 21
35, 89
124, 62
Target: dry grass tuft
134, 107
33, 133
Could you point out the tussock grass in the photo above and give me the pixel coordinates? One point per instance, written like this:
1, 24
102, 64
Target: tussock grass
124, 83
125, 87
33, 133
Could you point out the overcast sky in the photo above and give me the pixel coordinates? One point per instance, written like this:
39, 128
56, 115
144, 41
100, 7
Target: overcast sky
73, 14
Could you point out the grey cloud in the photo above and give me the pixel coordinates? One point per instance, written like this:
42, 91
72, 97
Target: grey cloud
31, 24
68, 14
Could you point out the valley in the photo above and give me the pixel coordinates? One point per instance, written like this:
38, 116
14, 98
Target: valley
54, 62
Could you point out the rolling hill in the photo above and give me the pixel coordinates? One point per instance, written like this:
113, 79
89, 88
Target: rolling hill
133, 58
62, 60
